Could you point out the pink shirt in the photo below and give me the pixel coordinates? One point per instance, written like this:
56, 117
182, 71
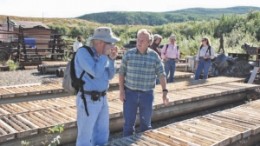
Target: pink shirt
172, 52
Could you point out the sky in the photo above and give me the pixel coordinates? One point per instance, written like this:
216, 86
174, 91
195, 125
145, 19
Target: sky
75, 8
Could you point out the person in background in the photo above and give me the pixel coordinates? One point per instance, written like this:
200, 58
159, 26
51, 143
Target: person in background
204, 56
92, 109
155, 46
170, 54
156, 43
137, 74
77, 44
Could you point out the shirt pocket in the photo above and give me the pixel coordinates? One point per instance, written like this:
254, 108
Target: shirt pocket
150, 66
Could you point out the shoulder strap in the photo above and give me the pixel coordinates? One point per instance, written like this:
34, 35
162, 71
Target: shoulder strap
89, 50
177, 47
167, 45
92, 54
209, 50
81, 75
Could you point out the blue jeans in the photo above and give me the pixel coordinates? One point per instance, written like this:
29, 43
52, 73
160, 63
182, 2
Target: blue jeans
133, 101
203, 65
93, 129
170, 69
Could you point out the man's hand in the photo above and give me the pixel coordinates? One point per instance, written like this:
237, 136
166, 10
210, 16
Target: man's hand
122, 96
165, 98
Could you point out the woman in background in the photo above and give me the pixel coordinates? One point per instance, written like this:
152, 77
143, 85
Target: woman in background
204, 56
156, 43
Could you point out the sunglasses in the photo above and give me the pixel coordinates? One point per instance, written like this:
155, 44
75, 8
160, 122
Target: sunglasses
203, 40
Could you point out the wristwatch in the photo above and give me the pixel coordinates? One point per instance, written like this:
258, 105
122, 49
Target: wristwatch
165, 90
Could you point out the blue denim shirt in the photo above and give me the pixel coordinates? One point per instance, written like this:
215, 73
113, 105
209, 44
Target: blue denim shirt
100, 67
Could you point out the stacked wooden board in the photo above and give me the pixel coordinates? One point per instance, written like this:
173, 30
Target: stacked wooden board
30, 119
236, 126
37, 89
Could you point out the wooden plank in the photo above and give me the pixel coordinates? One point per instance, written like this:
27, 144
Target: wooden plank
234, 135
3, 112
222, 139
7, 127
196, 139
151, 141
246, 132
241, 121
168, 139
235, 122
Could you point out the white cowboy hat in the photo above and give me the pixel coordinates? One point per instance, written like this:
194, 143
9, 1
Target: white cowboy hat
105, 34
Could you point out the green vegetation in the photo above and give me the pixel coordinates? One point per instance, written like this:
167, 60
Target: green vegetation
12, 65
236, 29
52, 137
160, 18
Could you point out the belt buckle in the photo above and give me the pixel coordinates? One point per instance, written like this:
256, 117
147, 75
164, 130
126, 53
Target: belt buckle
95, 95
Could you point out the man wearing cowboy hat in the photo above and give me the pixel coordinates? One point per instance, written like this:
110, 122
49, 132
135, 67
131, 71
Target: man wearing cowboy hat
93, 128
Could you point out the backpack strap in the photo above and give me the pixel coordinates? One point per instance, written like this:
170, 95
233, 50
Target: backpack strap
167, 45
208, 50
89, 50
82, 85
92, 54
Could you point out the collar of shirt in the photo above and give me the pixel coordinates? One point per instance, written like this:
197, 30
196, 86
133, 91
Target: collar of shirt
96, 56
172, 45
146, 52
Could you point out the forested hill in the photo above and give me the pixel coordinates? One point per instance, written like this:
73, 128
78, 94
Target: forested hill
153, 18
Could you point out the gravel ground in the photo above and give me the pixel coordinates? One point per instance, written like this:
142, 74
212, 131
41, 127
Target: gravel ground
19, 77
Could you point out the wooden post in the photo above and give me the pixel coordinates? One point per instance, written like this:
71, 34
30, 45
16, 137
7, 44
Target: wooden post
22, 42
8, 24
53, 46
253, 75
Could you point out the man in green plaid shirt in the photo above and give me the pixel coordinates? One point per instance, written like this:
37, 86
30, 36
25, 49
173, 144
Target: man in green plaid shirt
137, 77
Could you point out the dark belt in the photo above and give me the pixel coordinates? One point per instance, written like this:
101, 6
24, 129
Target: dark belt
95, 95
208, 59
172, 58
104, 93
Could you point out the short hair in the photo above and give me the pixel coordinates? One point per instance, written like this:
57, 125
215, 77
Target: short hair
148, 33
172, 37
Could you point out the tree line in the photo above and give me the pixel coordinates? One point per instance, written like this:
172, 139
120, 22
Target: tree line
236, 29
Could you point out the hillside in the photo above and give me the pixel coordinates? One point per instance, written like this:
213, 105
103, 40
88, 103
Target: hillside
153, 18
237, 29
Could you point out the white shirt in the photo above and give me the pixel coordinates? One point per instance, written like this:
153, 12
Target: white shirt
76, 46
204, 53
